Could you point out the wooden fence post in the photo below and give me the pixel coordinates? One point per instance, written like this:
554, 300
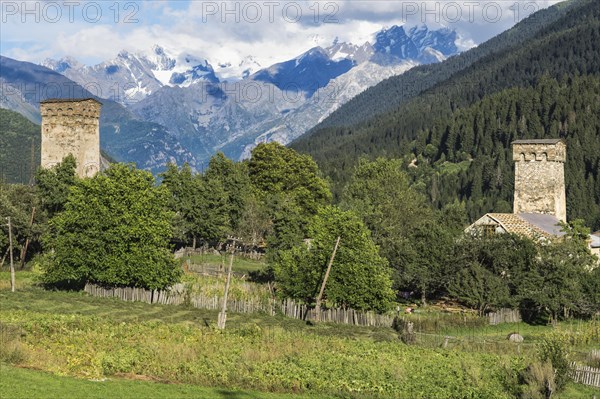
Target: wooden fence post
24, 249
223, 314
12, 265
320, 297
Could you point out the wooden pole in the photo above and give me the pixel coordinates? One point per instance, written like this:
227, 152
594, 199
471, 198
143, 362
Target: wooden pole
223, 314
24, 250
320, 297
12, 265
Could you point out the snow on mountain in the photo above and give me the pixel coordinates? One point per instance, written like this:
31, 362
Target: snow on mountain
359, 54
235, 106
237, 71
126, 138
129, 77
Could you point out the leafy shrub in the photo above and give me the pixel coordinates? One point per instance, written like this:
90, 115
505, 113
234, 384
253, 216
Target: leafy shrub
553, 350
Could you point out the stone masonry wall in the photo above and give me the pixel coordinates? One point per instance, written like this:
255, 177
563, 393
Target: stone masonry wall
71, 127
540, 179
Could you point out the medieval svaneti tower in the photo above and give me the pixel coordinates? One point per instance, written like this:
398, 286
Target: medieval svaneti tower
539, 199
71, 126
540, 177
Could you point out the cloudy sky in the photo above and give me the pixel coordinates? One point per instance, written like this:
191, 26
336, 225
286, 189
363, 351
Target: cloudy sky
227, 31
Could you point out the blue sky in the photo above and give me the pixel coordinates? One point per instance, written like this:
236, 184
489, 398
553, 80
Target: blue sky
227, 31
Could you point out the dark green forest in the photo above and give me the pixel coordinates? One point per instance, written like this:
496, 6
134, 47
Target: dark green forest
20, 142
462, 127
389, 94
468, 155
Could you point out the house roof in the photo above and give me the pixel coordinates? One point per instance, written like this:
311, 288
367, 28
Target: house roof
595, 240
528, 224
538, 141
547, 223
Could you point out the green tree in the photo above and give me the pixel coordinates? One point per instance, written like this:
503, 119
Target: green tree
275, 170
360, 277
114, 230
54, 184
254, 224
200, 203
406, 229
289, 185
235, 181
180, 183
210, 210
380, 192
424, 258
18, 202
477, 287
554, 286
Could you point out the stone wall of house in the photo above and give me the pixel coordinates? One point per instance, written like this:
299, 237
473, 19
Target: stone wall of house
71, 127
540, 177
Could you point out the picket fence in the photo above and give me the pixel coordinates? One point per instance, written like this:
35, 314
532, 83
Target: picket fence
585, 375
504, 316
177, 295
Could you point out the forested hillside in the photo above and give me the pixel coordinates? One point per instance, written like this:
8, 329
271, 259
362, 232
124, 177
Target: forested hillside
20, 142
469, 156
20, 148
392, 92
549, 68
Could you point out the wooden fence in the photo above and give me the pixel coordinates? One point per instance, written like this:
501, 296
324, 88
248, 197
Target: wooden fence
289, 308
505, 316
585, 375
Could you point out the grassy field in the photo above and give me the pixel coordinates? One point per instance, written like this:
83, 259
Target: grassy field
136, 348
240, 265
32, 384
18, 383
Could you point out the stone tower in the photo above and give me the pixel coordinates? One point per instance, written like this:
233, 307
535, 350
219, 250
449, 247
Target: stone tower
71, 127
540, 177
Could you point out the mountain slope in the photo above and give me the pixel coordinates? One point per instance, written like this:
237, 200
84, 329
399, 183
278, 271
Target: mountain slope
279, 103
124, 137
392, 92
20, 142
419, 128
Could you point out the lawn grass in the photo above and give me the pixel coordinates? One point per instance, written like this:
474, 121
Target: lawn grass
20, 383
17, 383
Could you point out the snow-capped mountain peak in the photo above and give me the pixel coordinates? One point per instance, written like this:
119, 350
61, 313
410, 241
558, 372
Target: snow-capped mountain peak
61, 65
206, 113
130, 77
418, 43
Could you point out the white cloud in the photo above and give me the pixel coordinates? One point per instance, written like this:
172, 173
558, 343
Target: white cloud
228, 31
